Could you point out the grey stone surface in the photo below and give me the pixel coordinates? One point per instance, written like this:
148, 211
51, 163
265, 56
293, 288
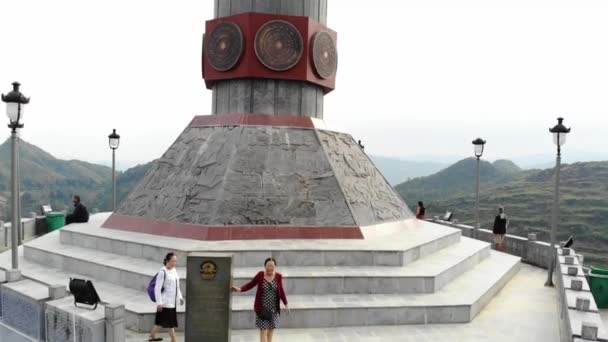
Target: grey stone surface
208, 303
582, 304
115, 323
57, 291
12, 275
9, 334
64, 322
22, 309
370, 196
242, 176
589, 331
576, 284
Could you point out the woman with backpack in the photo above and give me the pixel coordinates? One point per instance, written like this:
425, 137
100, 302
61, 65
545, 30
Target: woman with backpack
166, 295
267, 298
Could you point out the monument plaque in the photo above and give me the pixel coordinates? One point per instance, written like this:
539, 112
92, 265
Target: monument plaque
208, 278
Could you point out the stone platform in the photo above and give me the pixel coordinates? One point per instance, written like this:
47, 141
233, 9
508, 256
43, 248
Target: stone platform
523, 303
414, 273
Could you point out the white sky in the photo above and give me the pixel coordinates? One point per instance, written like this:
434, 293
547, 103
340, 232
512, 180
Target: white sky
416, 78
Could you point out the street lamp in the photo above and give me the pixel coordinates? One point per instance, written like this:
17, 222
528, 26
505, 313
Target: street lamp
114, 141
478, 146
559, 132
15, 105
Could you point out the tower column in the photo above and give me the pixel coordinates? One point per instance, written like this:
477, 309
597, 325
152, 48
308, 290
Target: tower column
269, 96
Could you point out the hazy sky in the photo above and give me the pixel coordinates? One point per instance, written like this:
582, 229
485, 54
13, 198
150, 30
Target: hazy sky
416, 78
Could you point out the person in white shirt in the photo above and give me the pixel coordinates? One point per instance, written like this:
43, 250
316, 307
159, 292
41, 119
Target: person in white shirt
167, 294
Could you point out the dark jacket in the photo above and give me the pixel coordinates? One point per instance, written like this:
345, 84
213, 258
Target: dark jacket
421, 212
500, 225
80, 214
259, 294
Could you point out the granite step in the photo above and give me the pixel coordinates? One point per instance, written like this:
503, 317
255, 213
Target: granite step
396, 249
457, 302
425, 275
422, 276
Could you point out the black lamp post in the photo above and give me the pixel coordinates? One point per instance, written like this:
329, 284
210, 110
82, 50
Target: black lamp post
478, 146
559, 132
15, 105
114, 141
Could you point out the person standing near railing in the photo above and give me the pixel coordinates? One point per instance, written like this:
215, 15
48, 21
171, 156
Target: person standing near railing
420, 211
500, 229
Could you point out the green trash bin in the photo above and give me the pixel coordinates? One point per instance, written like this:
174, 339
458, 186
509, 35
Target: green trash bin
599, 289
599, 270
55, 220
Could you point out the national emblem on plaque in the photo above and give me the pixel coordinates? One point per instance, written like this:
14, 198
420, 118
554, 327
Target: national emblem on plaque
208, 270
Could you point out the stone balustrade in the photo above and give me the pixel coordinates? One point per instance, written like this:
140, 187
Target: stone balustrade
28, 231
47, 313
531, 251
579, 316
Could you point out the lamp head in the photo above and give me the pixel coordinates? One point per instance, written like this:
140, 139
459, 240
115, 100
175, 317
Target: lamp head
559, 132
478, 146
15, 105
114, 139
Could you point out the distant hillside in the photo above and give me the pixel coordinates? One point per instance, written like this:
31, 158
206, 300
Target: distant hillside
458, 178
527, 197
125, 182
46, 179
397, 170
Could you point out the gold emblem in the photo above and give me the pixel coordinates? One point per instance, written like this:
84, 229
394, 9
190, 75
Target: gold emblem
208, 270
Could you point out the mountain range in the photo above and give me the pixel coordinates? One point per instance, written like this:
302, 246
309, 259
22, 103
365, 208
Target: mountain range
527, 196
49, 180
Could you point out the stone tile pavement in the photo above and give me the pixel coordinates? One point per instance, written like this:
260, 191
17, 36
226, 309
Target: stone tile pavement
523, 311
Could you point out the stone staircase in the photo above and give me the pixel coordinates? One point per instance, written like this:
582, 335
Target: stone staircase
426, 274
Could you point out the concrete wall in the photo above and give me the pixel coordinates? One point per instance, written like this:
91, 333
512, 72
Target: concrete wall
579, 316
267, 96
28, 229
32, 311
23, 307
533, 252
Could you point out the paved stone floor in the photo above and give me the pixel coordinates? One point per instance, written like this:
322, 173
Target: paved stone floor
604, 314
523, 311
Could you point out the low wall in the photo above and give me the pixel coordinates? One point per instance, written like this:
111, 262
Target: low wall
28, 231
23, 307
579, 316
531, 251
32, 311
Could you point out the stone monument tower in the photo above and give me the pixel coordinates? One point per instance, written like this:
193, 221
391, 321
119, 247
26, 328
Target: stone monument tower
263, 165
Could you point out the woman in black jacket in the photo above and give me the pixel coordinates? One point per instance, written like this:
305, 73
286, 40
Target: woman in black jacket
500, 229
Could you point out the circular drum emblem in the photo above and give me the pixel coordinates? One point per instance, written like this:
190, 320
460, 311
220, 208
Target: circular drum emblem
278, 45
324, 54
224, 46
